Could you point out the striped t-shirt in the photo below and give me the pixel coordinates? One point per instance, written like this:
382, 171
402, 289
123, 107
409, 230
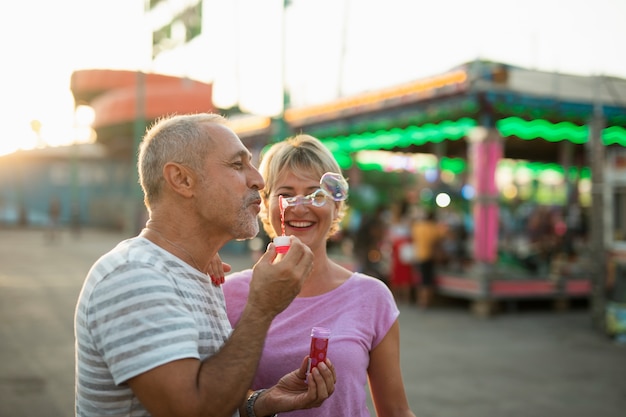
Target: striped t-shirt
140, 307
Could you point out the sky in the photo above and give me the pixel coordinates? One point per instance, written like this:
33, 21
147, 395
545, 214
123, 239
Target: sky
332, 48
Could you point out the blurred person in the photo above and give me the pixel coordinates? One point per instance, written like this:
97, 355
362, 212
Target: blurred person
453, 245
358, 309
75, 222
368, 244
453, 248
401, 274
54, 214
427, 236
152, 334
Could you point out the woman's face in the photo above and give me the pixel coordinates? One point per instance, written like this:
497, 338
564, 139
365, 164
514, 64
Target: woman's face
305, 220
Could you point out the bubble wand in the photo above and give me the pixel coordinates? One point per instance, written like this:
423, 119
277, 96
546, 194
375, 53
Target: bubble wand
282, 241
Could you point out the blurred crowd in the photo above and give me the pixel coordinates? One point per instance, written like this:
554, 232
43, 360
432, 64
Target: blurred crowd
534, 241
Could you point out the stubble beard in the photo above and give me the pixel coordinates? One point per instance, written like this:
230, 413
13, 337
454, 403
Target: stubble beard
248, 227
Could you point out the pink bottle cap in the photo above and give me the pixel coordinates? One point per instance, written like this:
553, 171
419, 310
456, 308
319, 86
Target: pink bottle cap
321, 332
282, 243
319, 346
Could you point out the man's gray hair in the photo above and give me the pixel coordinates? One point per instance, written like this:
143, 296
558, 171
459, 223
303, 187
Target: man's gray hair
179, 138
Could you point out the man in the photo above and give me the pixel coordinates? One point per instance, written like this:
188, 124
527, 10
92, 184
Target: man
152, 335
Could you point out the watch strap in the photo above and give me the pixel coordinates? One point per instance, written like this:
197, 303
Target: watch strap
250, 403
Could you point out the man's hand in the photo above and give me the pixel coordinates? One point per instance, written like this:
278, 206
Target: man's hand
297, 390
275, 284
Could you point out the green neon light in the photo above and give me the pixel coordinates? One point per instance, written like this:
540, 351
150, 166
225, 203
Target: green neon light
343, 146
401, 138
343, 159
614, 135
454, 165
556, 132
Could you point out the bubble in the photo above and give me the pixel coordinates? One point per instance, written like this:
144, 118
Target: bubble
335, 185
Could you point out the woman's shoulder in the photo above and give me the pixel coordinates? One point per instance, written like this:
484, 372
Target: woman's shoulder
236, 288
243, 274
375, 291
367, 282
236, 280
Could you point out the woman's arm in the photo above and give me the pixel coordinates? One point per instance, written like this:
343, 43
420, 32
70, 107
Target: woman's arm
385, 377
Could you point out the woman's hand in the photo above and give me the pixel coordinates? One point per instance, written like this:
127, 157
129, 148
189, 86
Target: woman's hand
216, 270
297, 390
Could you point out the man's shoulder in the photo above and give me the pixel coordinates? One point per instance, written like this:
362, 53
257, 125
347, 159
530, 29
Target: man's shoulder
124, 265
134, 251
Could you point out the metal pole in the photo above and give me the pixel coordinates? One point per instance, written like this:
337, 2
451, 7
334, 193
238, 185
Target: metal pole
342, 56
598, 251
281, 130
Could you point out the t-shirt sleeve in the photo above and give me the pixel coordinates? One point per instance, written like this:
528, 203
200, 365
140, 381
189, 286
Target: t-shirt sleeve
138, 322
386, 311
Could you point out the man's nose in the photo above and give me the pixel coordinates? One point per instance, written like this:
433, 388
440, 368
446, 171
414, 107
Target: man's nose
256, 180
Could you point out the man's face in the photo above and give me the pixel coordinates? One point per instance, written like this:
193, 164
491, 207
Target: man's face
228, 190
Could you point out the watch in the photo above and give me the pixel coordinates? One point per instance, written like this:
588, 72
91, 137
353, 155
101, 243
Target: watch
250, 403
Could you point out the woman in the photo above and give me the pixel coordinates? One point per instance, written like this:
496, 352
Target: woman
359, 309
402, 278
427, 236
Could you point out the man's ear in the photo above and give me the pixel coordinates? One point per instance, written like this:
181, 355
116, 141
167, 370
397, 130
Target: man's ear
180, 178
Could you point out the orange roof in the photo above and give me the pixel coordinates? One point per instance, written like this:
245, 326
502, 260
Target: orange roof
113, 95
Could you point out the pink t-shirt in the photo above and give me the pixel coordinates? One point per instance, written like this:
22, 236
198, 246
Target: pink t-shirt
359, 314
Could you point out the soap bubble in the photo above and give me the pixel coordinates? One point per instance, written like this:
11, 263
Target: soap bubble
335, 185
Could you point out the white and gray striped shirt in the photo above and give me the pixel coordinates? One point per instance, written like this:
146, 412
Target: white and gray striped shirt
140, 307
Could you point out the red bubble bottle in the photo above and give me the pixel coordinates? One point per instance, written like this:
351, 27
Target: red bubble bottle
319, 346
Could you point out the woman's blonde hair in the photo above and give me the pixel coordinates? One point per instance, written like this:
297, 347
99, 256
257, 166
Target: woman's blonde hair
300, 153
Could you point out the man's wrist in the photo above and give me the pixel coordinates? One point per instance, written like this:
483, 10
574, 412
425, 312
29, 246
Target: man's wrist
251, 401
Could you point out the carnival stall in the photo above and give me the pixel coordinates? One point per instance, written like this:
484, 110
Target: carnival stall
509, 146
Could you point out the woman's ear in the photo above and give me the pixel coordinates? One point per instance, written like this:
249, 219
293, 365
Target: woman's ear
337, 209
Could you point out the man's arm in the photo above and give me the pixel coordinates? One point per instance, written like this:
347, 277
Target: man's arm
218, 385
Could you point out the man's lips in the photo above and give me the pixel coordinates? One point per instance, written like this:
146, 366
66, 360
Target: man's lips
256, 204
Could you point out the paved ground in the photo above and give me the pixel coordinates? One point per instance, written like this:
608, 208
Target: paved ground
532, 362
